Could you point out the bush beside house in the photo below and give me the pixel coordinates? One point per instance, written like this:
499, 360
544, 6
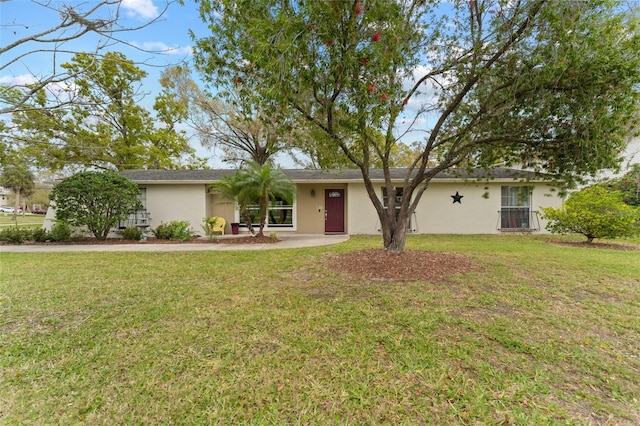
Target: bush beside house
594, 212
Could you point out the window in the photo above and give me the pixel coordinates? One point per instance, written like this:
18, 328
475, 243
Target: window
515, 210
139, 218
279, 215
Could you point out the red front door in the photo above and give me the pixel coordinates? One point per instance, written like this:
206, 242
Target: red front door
334, 210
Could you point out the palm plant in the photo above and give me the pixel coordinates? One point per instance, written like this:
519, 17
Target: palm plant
256, 184
20, 180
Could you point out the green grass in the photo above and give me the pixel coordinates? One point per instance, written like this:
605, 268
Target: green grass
544, 334
26, 221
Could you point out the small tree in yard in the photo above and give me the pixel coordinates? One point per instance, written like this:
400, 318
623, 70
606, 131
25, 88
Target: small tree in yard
97, 200
259, 185
594, 212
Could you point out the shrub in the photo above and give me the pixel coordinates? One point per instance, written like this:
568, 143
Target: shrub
131, 233
40, 235
60, 231
97, 200
177, 230
594, 212
14, 234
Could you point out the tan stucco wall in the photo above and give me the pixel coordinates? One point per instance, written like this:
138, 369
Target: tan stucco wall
437, 214
218, 206
166, 203
310, 208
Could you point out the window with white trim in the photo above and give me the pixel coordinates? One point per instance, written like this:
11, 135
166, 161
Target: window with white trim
279, 215
515, 210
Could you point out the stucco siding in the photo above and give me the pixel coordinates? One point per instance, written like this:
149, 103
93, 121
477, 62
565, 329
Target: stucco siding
361, 215
438, 214
545, 195
166, 203
221, 207
309, 209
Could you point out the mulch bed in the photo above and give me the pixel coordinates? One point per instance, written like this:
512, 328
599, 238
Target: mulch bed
596, 245
412, 265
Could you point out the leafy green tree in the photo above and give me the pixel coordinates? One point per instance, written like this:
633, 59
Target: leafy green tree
594, 212
628, 185
97, 200
548, 85
256, 184
20, 180
40, 196
105, 126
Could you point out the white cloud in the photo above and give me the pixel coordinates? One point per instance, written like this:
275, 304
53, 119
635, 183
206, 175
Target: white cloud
18, 80
143, 8
62, 91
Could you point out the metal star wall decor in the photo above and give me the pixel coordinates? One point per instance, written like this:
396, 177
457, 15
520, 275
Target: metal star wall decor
457, 198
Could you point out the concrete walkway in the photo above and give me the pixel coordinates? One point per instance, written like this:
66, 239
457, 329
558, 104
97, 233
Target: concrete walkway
288, 241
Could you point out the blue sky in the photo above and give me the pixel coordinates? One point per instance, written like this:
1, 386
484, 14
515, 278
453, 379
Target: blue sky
168, 37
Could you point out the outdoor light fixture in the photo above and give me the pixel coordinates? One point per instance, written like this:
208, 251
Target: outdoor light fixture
313, 192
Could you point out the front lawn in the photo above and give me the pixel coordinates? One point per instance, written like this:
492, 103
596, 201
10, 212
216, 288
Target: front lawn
540, 334
26, 221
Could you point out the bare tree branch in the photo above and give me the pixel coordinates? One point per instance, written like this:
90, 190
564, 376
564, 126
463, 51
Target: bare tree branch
101, 19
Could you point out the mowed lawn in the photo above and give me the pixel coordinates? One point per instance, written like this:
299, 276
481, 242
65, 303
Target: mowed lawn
22, 221
543, 334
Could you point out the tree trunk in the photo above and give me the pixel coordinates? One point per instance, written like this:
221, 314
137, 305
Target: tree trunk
262, 206
247, 220
394, 234
15, 208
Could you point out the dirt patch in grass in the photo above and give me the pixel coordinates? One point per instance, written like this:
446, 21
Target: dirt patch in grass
412, 265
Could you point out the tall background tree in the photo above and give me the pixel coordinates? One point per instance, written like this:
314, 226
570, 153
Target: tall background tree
229, 120
18, 178
548, 85
106, 126
21, 40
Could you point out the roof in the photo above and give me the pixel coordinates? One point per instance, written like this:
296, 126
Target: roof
315, 175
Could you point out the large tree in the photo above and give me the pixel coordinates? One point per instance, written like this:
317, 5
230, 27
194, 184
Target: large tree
228, 122
106, 126
628, 185
548, 85
99, 21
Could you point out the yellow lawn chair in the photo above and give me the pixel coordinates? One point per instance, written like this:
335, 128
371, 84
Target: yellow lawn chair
216, 225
